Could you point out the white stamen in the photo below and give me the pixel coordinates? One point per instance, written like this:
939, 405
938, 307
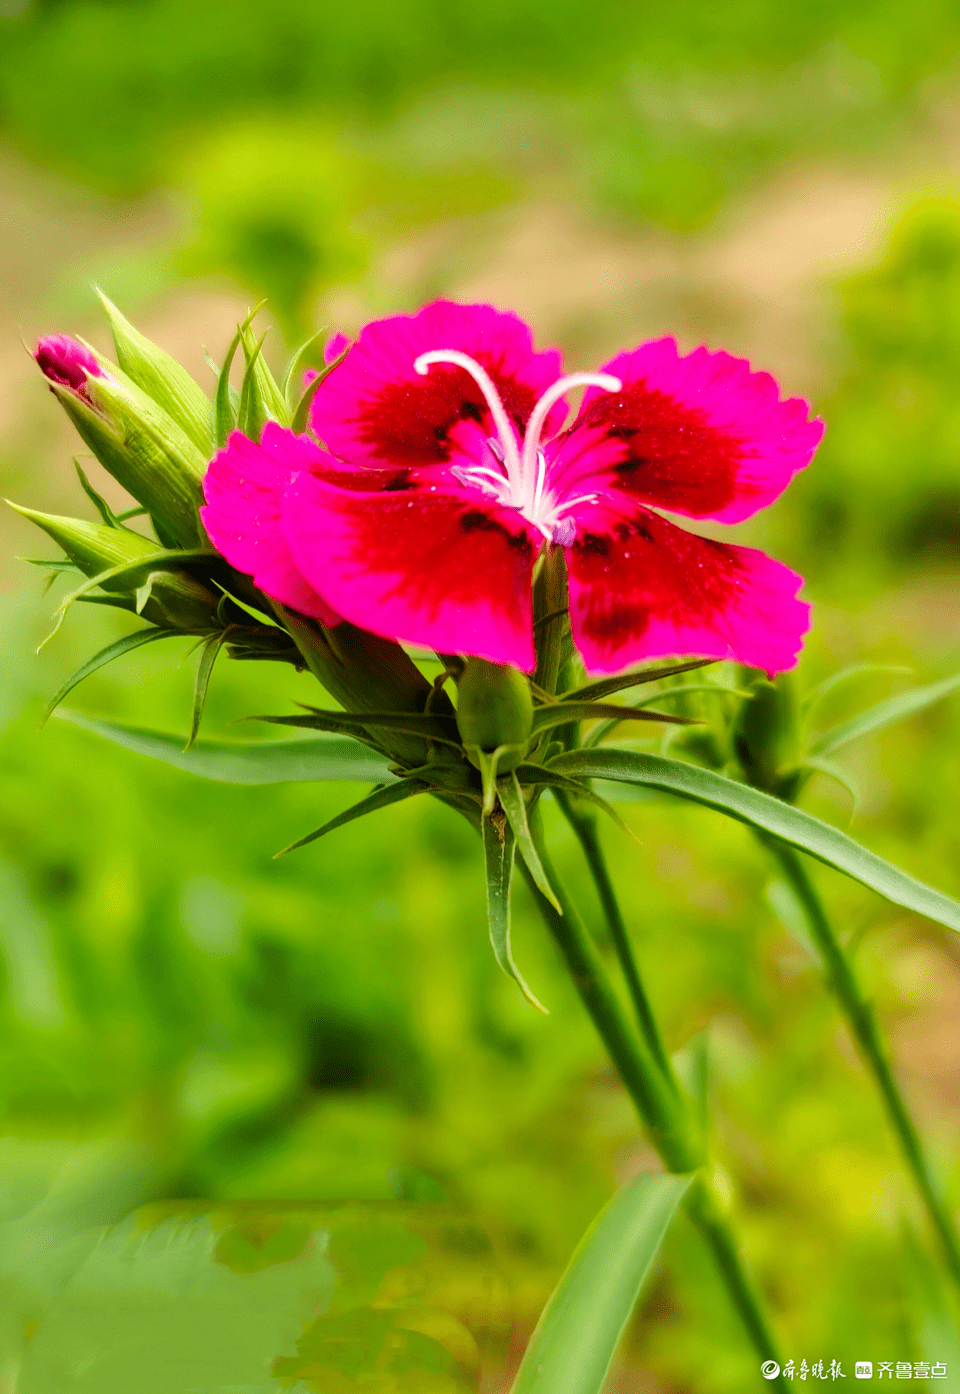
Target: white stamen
572, 503
481, 377
524, 484
531, 439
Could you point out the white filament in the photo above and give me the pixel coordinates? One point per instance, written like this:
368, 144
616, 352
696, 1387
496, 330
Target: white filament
481, 377
531, 439
523, 484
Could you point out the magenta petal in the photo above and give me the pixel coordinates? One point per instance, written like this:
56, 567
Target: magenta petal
244, 487
700, 435
423, 566
643, 588
375, 409
65, 361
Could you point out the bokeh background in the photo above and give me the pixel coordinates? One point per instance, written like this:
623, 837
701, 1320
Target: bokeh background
182, 1016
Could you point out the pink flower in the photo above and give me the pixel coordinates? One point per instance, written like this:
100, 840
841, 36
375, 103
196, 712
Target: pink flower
445, 472
63, 360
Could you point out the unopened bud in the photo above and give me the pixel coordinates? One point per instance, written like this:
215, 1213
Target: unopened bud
494, 709
144, 449
766, 736
65, 361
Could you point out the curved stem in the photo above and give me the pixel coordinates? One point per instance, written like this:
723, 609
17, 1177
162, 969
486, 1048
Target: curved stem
585, 827
672, 1129
866, 1031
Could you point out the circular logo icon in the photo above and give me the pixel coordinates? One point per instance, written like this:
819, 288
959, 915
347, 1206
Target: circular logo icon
769, 1369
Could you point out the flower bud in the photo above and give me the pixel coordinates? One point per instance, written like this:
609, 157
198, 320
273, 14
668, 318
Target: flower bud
766, 736
494, 709
64, 361
171, 598
144, 449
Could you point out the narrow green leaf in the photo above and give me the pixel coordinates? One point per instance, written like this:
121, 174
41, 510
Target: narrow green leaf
835, 772
499, 850
600, 732
54, 564
563, 712
380, 798
835, 680
301, 415
593, 691
579, 1329
512, 801
208, 658
770, 815
552, 779
410, 723
125, 645
224, 411
884, 714
247, 762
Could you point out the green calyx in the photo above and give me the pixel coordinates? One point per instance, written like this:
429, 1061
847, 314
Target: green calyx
494, 713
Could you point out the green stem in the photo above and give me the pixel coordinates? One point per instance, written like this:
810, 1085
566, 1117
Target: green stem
585, 827
863, 1024
673, 1131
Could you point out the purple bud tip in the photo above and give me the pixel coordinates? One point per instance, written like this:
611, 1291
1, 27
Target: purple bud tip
63, 360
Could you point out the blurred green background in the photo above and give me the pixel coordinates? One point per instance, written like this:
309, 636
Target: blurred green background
180, 1016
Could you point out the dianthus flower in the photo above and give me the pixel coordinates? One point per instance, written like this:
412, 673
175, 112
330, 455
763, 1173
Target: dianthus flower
445, 471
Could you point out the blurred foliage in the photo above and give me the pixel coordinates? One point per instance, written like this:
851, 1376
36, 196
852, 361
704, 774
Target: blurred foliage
887, 486
181, 1016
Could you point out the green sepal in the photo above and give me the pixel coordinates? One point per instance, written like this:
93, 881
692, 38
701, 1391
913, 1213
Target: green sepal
261, 399
162, 378
514, 806
301, 413
289, 387
380, 798
499, 851
226, 402
92, 547
488, 763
